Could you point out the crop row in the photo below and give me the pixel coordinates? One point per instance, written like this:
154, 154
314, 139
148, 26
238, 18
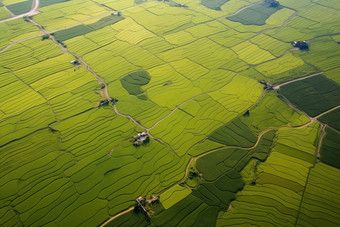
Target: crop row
273, 70
323, 53
146, 112
330, 148
305, 26
67, 13
210, 116
276, 20
93, 185
173, 196
4, 13
320, 204
274, 193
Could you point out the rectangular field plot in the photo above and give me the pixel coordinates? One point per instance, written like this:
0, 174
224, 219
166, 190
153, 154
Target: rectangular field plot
320, 203
313, 95
20, 7
251, 53
272, 45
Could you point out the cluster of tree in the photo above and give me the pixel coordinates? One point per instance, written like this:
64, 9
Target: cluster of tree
302, 45
27, 18
272, 3
45, 37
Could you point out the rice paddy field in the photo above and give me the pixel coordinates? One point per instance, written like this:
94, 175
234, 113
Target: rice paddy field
152, 113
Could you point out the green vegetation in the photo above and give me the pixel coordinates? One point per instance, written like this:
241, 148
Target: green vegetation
173, 196
222, 171
4, 13
133, 219
21, 7
331, 119
323, 199
313, 95
255, 15
225, 148
133, 82
275, 187
191, 211
330, 149
84, 29
214, 4
235, 133
43, 3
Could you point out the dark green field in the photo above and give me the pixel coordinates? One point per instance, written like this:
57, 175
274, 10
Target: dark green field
50, 2
313, 95
255, 15
235, 133
332, 119
330, 149
213, 4
221, 170
21, 7
133, 82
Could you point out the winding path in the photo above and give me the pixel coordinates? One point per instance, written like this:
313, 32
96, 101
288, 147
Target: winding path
116, 216
32, 12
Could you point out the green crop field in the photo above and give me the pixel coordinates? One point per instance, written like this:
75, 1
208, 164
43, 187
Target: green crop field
150, 113
20, 7
313, 95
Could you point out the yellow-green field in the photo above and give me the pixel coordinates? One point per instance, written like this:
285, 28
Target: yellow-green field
240, 124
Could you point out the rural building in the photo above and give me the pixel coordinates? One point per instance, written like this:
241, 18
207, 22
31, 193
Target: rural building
140, 202
140, 138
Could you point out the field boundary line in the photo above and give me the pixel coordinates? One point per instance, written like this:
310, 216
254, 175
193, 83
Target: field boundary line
13, 15
326, 112
297, 79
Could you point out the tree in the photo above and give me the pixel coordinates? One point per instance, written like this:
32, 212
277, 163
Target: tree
272, 3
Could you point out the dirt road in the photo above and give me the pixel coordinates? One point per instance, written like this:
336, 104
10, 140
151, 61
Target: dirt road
32, 12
